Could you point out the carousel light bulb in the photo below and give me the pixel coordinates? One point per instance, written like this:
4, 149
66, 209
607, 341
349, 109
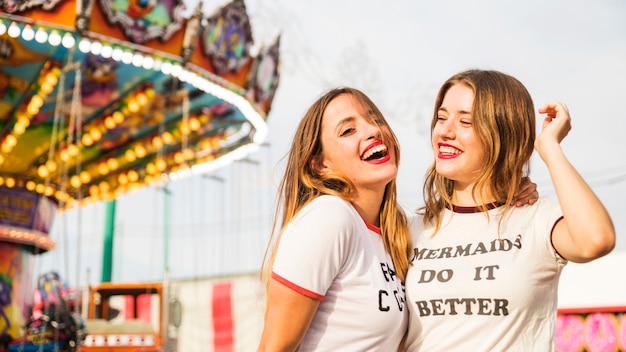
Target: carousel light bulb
184, 129
84, 45
133, 176
188, 154
72, 149
48, 191
10, 140
51, 79
104, 187
112, 163
68, 40
103, 169
32, 109
176, 70
51, 165
93, 190
179, 158
130, 155
19, 129
161, 164
75, 181
182, 75
3, 27
140, 151
28, 33
133, 106
23, 120
106, 52
5, 148
54, 38
40, 188
117, 54
85, 177
194, 124
167, 138
14, 30
118, 117
36, 100
46, 88
157, 143
148, 63
30, 185
41, 35
96, 48
1, 159
61, 196
109, 123
95, 134
122, 179
64, 155
151, 168
141, 99
157, 65
87, 140
127, 57
137, 60
166, 68
42, 171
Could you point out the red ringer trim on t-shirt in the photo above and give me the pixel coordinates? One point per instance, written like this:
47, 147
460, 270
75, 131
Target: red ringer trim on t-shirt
300, 290
373, 227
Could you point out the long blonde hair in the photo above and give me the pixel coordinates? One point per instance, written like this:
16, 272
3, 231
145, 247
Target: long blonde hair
301, 183
503, 116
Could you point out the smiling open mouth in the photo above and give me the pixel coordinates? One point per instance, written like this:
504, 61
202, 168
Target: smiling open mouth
375, 153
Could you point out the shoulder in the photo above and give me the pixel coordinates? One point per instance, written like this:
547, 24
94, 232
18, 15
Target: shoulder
544, 208
327, 212
415, 222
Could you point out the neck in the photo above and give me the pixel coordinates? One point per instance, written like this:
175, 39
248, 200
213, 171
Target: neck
462, 196
367, 203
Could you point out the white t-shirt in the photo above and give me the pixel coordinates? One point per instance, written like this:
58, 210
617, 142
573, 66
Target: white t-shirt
468, 290
329, 253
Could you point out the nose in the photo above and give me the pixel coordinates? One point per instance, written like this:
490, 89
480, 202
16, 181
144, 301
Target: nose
446, 129
371, 131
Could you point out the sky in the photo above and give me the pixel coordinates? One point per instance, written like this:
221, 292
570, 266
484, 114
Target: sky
398, 52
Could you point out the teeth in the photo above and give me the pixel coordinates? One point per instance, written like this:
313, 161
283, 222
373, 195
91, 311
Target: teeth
448, 150
376, 149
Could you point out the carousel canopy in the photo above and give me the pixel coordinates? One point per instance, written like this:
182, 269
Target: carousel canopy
101, 97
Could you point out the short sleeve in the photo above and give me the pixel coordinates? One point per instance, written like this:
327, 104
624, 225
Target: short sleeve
315, 245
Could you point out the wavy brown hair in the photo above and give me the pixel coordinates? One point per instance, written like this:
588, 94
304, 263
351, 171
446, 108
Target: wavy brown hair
301, 183
503, 116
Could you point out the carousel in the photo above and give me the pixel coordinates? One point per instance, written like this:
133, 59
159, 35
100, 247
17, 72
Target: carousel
103, 97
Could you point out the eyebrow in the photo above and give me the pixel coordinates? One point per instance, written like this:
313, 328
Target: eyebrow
462, 112
344, 121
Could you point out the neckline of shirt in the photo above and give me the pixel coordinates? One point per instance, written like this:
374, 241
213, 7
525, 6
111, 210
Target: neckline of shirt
474, 208
372, 227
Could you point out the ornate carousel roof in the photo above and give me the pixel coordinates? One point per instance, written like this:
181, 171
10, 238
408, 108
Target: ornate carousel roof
101, 97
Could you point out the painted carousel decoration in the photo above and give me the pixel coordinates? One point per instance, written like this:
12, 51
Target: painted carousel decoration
102, 97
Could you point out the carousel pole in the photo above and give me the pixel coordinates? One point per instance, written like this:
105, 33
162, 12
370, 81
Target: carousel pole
107, 251
166, 228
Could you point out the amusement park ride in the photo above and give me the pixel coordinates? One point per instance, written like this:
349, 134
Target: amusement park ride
103, 97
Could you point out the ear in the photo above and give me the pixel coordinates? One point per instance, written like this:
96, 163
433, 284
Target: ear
317, 165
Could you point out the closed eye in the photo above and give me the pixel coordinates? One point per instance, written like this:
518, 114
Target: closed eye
347, 131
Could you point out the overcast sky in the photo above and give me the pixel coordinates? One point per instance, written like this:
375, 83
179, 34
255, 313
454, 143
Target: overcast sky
398, 52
